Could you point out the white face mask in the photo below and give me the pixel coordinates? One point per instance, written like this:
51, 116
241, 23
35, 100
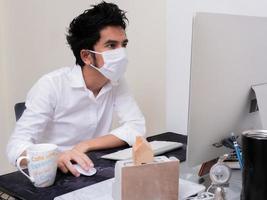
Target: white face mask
115, 62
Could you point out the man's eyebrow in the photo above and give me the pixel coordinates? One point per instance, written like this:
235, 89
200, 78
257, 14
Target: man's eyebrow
111, 41
115, 41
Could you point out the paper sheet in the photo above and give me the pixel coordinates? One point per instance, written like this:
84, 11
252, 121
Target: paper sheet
98, 191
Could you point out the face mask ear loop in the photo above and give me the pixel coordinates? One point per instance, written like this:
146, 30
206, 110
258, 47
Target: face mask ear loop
94, 58
94, 52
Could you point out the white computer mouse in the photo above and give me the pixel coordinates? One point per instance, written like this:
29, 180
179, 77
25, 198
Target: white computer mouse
90, 172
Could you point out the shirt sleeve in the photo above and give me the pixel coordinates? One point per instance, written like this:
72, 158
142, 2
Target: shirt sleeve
40, 104
131, 120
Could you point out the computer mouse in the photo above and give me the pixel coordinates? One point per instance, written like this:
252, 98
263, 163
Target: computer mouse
90, 172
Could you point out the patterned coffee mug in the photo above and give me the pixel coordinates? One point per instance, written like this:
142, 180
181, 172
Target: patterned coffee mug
42, 164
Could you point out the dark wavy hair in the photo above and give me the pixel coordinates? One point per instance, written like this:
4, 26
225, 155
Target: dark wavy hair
84, 30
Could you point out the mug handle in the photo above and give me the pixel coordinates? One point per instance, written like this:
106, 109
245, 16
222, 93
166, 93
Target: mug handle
18, 166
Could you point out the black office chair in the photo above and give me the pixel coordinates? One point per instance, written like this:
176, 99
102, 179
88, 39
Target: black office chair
19, 109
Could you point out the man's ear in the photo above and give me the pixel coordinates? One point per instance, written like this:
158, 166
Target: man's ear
86, 57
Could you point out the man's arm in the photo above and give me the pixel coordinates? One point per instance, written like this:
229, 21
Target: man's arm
40, 104
103, 142
131, 119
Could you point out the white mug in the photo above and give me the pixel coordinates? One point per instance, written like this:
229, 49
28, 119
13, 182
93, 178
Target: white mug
42, 164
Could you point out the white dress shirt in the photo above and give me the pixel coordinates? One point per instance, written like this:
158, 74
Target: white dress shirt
61, 110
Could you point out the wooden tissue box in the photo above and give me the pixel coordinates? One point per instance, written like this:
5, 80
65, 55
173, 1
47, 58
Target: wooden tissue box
158, 180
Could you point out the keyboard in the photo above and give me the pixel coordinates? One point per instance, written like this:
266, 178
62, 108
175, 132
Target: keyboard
158, 147
4, 196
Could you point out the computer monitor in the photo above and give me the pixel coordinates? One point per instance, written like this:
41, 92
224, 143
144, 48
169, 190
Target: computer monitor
229, 55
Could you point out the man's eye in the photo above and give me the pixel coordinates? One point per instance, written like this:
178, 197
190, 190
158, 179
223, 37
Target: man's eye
111, 46
124, 45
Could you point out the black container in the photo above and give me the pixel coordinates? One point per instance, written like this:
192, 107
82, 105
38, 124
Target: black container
254, 174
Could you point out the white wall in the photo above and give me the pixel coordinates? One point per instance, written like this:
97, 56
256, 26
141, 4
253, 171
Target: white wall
179, 31
33, 43
4, 93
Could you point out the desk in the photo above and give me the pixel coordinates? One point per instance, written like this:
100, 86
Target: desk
18, 186
103, 190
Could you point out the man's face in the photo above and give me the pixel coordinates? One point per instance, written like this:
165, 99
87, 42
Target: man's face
111, 37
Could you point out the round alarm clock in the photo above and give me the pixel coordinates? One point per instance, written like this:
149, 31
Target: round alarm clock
220, 173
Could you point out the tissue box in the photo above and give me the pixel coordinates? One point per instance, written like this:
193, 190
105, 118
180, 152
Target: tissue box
157, 180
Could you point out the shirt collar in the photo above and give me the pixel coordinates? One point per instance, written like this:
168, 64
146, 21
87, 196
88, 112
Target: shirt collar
77, 80
105, 89
76, 77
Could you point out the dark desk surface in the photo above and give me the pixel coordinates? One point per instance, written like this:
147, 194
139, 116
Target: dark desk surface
18, 186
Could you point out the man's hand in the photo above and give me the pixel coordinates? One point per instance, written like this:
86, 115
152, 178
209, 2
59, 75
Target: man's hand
65, 158
77, 154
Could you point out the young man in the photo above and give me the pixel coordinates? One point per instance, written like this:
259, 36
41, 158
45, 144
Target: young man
73, 106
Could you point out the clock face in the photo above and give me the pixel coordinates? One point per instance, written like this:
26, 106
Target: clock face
220, 173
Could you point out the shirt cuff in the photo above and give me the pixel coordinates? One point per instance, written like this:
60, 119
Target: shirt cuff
127, 134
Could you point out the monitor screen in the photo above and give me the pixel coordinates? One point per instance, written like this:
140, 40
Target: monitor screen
229, 56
